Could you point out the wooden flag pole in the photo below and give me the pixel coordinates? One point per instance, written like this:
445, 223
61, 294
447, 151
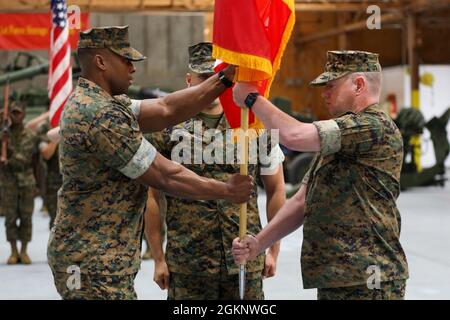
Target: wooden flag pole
243, 208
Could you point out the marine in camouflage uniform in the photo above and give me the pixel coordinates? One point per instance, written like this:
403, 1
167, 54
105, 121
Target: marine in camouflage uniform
351, 247
107, 165
97, 230
53, 179
199, 233
17, 183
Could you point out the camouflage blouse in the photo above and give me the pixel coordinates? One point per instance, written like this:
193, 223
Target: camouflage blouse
352, 224
99, 222
200, 233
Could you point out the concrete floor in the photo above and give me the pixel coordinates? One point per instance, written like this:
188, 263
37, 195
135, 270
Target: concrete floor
425, 238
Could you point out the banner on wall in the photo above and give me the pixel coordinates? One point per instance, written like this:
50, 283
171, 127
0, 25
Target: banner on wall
31, 31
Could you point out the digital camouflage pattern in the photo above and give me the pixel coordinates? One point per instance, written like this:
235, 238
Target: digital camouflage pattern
53, 179
18, 205
200, 58
17, 183
95, 287
53, 183
341, 63
199, 233
99, 223
389, 290
220, 286
351, 218
113, 38
19, 171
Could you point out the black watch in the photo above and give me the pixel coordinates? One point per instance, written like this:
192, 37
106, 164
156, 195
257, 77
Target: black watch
251, 99
226, 82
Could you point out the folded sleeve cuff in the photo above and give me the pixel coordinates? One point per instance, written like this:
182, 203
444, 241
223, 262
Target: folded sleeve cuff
330, 136
276, 158
141, 160
136, 107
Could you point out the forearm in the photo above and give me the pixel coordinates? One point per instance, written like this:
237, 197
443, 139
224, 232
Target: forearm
33, 124
158, 114
289, 218
176, 180
293, 134
187, 184
49, 150
275, 202
153, 225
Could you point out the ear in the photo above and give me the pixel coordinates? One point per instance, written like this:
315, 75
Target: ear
360, 85
188, 79
100, 62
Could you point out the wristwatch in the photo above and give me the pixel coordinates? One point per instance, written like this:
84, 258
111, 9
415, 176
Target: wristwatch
226, 82
251, 99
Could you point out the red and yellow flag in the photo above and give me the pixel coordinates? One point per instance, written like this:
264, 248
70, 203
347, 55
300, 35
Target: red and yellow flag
251, 34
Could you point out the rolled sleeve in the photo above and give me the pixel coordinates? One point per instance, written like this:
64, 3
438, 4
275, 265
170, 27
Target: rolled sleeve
141, 161
136, 107
42, 145
276, 158
330, 136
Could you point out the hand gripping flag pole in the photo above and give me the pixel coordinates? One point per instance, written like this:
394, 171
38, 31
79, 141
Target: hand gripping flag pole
251, 35
243, 208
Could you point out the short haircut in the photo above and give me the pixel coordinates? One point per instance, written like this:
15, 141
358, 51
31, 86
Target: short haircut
373, 80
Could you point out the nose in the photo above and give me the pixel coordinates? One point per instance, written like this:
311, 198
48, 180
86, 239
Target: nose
325, 93
131, 66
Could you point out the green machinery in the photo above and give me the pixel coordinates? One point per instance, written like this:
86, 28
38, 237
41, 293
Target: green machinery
411, 122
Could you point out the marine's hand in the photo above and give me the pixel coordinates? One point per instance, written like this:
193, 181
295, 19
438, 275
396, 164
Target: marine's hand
241, 91
240, 188
53, 135
270, 265
245, 250
229, 72
161, 275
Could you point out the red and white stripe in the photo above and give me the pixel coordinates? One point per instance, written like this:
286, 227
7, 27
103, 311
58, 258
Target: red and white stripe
60, 71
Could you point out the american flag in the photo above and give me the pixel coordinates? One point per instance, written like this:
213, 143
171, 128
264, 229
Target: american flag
60, 70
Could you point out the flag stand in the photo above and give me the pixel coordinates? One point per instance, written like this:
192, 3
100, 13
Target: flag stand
243, 208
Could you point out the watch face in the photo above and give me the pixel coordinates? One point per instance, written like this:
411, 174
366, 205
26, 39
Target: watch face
250, 100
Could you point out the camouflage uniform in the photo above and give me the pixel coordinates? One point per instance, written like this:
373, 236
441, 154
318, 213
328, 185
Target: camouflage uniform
17, 183
99, 224
53, 179
199, 233
351, 219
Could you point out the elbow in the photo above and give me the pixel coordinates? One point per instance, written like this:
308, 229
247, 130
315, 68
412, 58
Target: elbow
288, 139
168, 179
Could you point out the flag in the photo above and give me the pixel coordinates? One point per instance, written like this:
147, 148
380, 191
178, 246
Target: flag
253, 35
60, 69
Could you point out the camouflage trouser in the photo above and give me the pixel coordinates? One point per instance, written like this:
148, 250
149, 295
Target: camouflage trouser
18, 204
389, 290
95, 287
51, 201
214, 287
